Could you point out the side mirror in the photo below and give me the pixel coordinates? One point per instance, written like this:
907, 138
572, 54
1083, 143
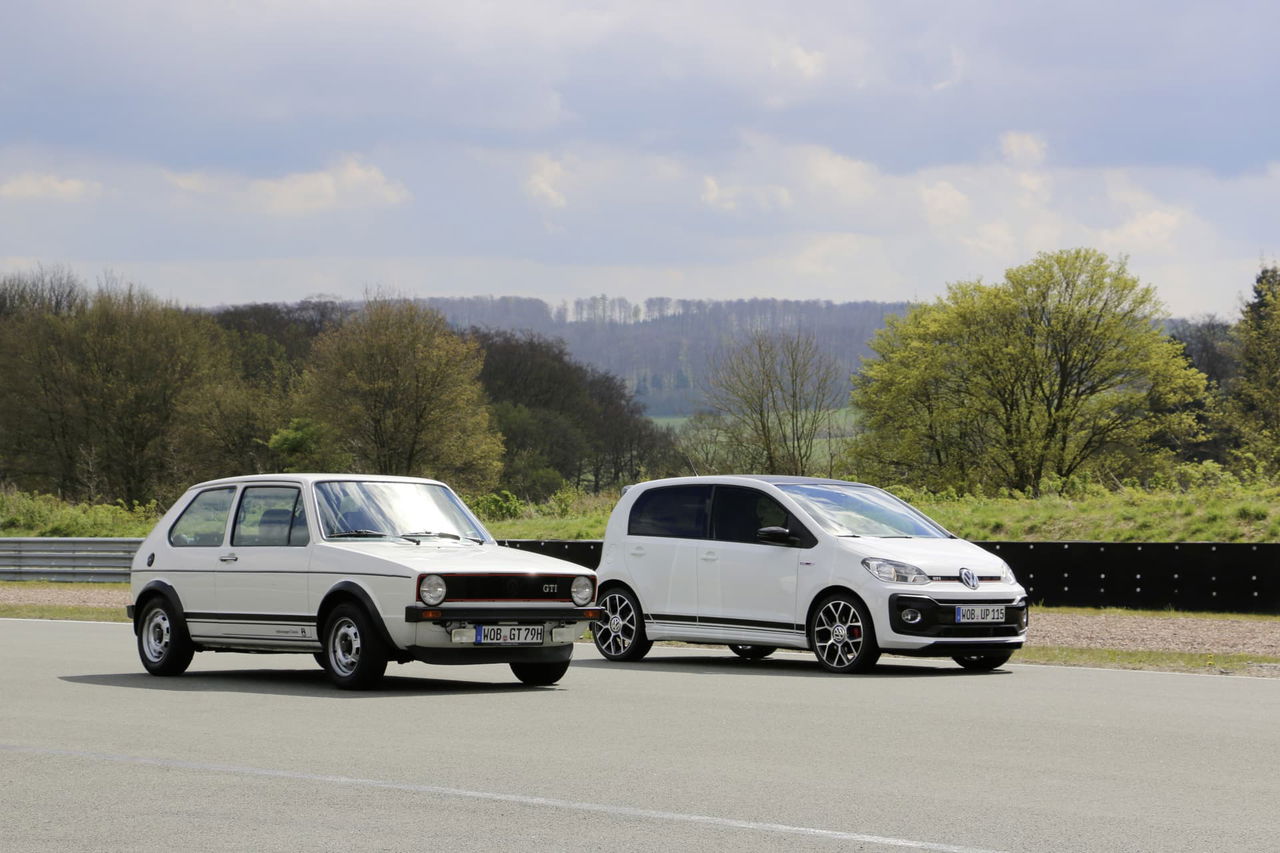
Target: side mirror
775, 535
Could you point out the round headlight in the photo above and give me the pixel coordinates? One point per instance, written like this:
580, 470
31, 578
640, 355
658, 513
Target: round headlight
582, 590
431, 589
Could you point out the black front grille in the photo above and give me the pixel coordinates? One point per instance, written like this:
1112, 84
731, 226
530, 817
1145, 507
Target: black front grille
938, 618
508, 587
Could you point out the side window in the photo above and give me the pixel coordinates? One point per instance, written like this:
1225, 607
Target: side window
203, 522
738, 512
676, 511
270, 516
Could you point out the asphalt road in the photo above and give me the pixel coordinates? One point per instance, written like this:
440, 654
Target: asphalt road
691, 749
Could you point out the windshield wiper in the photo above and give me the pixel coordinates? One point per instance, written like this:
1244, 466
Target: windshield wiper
417, 536
357, 534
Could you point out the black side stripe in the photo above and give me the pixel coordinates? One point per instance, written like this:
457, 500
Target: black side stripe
723, 622
263, 618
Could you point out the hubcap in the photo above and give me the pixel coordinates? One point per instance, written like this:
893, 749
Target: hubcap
344, 646
155, 635
616, 635
837, 633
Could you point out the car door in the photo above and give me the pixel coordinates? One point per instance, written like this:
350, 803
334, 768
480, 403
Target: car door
745, 584
194, 557
262, 588
663, 530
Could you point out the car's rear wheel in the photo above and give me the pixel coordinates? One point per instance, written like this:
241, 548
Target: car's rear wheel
842, 636
984, 662
355, 657
620, 635
752, 652
539, 674
164, 645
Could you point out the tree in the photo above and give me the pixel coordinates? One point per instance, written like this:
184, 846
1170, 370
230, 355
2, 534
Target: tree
1061, 365
1255, 393
400, 393
775, 395
97, 389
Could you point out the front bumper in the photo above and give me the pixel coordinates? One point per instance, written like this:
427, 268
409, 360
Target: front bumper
438, 626
938, 619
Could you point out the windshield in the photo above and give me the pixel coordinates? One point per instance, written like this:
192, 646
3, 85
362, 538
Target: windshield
372, 509
850, 510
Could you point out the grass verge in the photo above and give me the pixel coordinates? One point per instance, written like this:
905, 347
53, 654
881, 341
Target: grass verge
82, 613
1207, 664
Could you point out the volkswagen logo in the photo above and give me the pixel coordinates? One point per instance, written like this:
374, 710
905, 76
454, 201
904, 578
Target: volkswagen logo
968, 578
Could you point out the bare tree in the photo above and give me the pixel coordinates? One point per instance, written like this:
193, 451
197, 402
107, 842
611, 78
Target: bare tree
776, 394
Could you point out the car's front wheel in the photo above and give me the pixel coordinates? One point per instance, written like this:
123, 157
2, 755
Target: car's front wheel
164, 645
355, 657
983, 663
752, 652
620, 635
842, 636
539, 674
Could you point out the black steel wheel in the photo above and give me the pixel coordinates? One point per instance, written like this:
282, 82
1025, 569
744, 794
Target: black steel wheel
355, 656
164, 645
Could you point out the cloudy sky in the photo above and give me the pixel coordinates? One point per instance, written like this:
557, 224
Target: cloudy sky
222, 152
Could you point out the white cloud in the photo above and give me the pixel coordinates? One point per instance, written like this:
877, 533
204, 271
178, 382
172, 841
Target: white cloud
32, 186
1023, 149
944, 204
350, 183
764, 198
543, 180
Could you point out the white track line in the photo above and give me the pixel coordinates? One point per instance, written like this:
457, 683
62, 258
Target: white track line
543, 802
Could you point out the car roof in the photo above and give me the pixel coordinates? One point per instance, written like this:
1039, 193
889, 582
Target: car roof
312, 478
731, 479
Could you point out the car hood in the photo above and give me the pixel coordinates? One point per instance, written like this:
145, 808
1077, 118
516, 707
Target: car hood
454, 557
937, 557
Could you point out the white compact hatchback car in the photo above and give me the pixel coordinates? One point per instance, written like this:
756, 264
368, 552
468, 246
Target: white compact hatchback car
843, 569
356, 570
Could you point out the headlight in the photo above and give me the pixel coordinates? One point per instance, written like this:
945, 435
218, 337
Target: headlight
892, 571
1006, 573
582, 590
431, 589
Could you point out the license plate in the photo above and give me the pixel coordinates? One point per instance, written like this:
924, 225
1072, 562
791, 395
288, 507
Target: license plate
980, 613
508, 635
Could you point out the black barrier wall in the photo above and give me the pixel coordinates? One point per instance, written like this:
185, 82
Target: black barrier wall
1227, 578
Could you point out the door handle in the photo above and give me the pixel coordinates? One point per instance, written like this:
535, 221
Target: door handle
637, 551
228, 558
709, 557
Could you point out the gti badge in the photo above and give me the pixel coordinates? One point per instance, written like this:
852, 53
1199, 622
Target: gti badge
968, 578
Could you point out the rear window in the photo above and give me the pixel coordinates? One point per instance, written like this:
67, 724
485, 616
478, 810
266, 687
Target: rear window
675, 511
204, 521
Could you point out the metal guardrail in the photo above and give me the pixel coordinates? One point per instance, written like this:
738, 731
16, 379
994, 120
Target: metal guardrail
67, 559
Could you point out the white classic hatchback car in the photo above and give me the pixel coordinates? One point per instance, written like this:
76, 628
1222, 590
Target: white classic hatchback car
356, 570
761, 562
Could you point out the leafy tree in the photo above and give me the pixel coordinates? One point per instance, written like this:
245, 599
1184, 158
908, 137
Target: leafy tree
400, 393
1061, 365
564, 422
1255, 394
97, 389
775, 396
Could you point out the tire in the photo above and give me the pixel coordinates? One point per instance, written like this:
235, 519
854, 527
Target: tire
984, 662
842, 636
539, 674
752, 652
355, 656
622, 637
319, 656
164, 645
